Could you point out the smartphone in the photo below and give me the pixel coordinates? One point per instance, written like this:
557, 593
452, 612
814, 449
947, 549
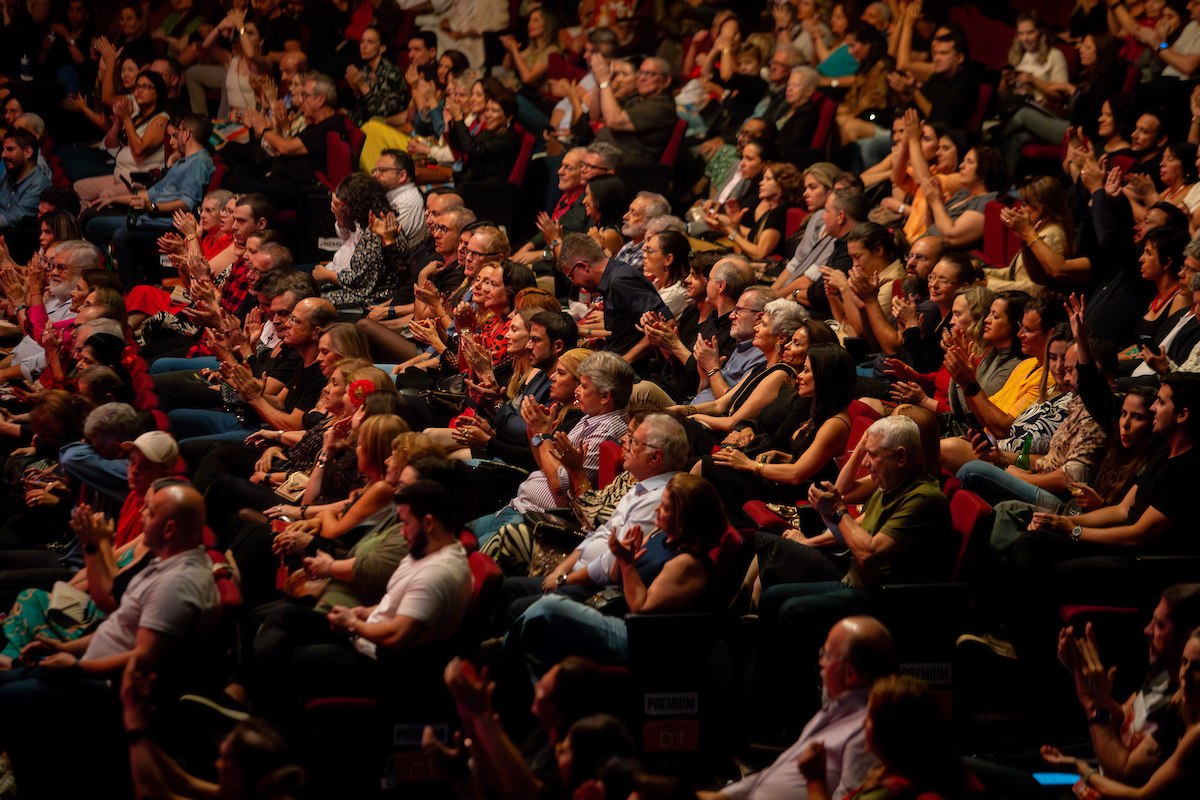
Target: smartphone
1146, 340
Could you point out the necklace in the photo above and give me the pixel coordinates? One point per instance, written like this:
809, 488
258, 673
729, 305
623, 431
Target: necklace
1159, 300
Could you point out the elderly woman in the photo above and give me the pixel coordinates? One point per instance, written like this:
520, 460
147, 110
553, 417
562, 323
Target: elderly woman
797, 121
667, 571
757, 388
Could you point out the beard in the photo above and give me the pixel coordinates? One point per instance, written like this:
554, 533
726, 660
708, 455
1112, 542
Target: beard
61, 290
634, 232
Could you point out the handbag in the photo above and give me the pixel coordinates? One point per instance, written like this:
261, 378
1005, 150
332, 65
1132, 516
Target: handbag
293, 488
553, 538
609, 601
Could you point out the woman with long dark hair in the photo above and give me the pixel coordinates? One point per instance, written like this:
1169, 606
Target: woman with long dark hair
867, 107
827, 378
666, 265
362, 275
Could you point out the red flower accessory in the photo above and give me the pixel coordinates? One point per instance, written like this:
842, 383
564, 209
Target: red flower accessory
359, 391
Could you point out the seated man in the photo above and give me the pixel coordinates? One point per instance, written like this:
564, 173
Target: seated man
97, 462
23, 182
426, 600
652, 454
642, 124
903, 535
301, 156
1090, 557
181, 188
162, 620
857, 652
568, 213
1122, 733
605, 383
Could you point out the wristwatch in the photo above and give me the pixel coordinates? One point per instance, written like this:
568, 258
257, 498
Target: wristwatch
537, 440
561, 580
605, 84
1076, 532
835, 83
837, 516
971, 389
154, 208
1099, 716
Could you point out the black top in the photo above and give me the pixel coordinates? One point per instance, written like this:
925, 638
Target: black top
302, 169
794, 141
277, 32
304, 388
653, 121
488, 155
627, 295
953, 98
1166, 484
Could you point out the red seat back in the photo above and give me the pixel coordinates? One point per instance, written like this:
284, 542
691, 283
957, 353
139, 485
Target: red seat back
975, 123
611, 458
518, 171
971, 518
338, 159
214, 183
672, 149
825, 116
1072, 56
487, 577
795, 215
1131, 78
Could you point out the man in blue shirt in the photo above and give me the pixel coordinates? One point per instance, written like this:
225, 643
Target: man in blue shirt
23, 182
181, 188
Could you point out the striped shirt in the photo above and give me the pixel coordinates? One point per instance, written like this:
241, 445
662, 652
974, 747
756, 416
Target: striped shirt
536, 493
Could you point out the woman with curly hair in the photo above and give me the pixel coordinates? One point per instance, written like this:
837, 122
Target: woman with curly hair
363, 267
782, 187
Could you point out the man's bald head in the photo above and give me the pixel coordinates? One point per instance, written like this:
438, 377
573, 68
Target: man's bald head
178, 513
443, 202
869, 649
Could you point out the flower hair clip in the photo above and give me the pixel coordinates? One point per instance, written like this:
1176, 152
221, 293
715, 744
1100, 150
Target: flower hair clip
359, 391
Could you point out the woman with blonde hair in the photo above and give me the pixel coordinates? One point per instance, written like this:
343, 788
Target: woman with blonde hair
1047, 232
1036, 70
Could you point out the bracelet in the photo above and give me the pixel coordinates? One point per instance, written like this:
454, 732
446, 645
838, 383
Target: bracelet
1087, 775
391, 312
711, 372
689, 410
758, 468
303, 512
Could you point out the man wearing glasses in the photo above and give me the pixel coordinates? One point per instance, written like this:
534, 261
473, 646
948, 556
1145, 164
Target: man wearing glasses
395, 171
568, 214
627, 293
642, 124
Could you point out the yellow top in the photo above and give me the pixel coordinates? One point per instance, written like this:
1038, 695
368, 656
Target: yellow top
1021, 388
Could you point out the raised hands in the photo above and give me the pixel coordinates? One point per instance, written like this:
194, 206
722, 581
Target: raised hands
385, 226
628, 549
185, 223
90, 527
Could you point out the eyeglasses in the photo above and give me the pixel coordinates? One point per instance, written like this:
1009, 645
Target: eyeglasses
741, 310
586, 165
643, 73
917, 257
822, 655
933, 279
440, 229
385, 169
629, 442
1030, 331
571, 272
143, 86
650, 251
478, 254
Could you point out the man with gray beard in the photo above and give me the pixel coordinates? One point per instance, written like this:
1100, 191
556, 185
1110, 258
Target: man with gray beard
62, 274
645, 207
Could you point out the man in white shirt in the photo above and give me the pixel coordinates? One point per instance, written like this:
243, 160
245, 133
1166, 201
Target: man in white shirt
857, 652
396, 172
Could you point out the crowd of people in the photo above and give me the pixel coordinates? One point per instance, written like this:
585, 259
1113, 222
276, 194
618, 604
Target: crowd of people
450, 459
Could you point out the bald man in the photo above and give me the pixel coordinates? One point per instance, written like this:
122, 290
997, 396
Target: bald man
166, 611
857, 651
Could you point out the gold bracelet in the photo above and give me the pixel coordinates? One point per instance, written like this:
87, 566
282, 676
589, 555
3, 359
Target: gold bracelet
758, 468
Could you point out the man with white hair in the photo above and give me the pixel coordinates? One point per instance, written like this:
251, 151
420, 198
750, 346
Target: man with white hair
903, 536
642, 124
61, 276
37, 126
647, 206
878, 16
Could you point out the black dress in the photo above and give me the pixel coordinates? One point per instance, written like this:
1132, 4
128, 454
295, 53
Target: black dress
488, 155
702, 438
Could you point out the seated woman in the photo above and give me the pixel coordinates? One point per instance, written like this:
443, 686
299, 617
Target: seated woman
737, 86
828, 379
374, 249
667, 571
57, 225
665, 265
1101, 74
739, 182
490, 151
1161, 263
924, 151
796, 124
460, 90
782, 187
1037, 70
959, 219
867, 108
139, 135
606, 202
1047, 234
532, 64
1037, 422
969, 317
1178, 175
875, 252
833, 57
772, 335
1111, 130
233, 44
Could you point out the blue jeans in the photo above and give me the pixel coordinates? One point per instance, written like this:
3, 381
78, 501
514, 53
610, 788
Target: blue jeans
191, 423
556, 627
183, 364
995, 485
488, 526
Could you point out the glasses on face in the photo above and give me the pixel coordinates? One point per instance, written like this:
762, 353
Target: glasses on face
628, 441
934, 280
304, 94
1023, 331
476, 254
586, 165
440, 229
917, 257
650, 251
571, 272
644, 73
742, 310
384, 169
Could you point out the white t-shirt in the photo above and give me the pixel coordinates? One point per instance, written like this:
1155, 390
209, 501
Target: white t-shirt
1054, 70
1188, 44
435, 590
